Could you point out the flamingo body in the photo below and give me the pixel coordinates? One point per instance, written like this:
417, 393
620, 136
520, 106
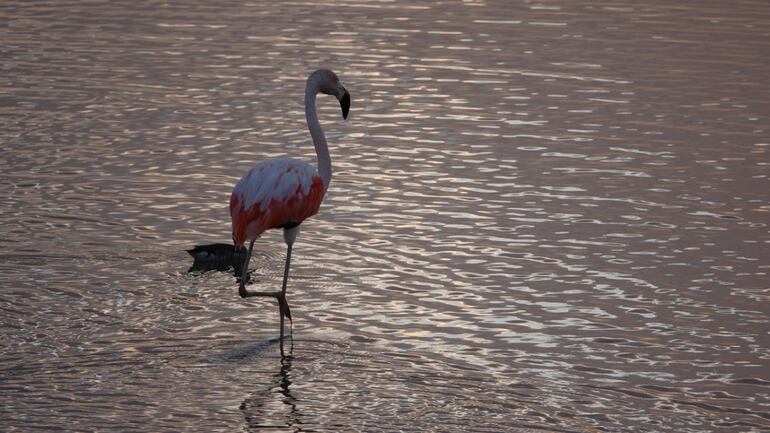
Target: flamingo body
274, 194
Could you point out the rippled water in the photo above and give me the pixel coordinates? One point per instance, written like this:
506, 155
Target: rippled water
545, 216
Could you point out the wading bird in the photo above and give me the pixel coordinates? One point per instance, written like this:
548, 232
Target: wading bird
281, 193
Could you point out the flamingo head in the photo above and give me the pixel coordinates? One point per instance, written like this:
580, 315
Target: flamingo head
329, 84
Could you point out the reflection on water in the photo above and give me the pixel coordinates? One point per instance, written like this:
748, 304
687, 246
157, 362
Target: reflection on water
261, 412
544, 216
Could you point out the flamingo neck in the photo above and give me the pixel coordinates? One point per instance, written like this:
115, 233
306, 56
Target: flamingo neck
319, 139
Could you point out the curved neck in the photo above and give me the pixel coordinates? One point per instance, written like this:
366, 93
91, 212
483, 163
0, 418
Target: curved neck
319, 140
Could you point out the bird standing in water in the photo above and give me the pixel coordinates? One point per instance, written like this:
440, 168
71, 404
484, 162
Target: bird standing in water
281, 193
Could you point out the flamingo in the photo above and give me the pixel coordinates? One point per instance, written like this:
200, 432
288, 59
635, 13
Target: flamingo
282, 193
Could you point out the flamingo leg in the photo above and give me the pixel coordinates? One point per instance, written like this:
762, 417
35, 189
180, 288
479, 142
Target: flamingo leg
242, 283
244, 272
280, 296
283, 305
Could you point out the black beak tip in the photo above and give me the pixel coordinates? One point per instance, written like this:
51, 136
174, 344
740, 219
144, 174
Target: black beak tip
345, 104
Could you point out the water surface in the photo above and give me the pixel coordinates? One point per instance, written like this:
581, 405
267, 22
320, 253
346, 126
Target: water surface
544, 216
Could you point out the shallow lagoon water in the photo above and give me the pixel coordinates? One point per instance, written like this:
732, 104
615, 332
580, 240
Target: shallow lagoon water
544, 216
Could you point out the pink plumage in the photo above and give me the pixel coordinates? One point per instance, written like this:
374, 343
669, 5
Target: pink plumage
274, 194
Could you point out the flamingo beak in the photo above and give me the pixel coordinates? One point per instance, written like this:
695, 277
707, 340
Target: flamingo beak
344, 99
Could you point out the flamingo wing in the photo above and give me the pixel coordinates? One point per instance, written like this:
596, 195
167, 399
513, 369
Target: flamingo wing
275, 193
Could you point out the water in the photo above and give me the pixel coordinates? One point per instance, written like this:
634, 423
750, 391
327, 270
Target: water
544, 216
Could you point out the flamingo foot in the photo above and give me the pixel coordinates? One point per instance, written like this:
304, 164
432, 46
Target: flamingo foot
242, 290
284, 306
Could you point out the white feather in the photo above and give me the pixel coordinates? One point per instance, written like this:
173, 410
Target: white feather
274, 179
